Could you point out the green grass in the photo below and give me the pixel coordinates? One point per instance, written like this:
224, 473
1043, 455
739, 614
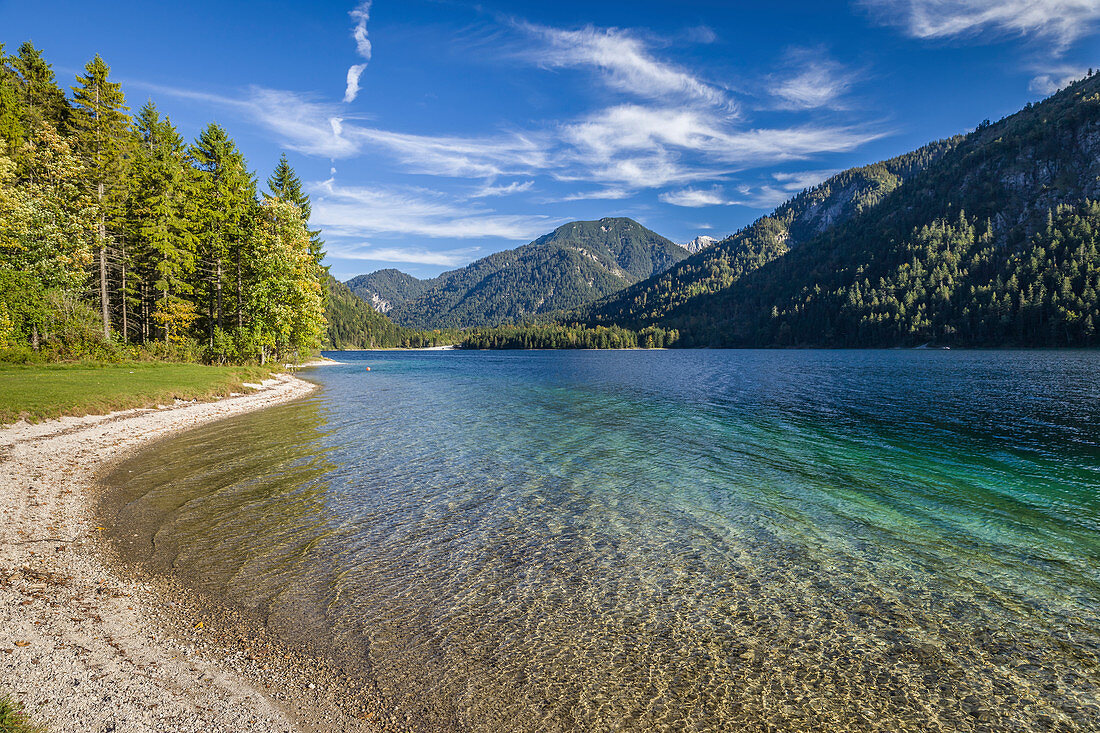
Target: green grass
14, 720
39, 392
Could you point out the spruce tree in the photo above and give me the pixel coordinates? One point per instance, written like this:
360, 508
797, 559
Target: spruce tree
12, 129
43, 100
160, 209
226, 201
102, 128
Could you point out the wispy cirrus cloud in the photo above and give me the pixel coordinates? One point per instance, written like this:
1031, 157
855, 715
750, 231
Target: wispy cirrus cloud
506, 190
357, 212
813, 81
1052, 79
602, 194
361, 15
626, 147
786, 185
459, 156
646, 147
407, 255
695, 197
1060, 21
625, 62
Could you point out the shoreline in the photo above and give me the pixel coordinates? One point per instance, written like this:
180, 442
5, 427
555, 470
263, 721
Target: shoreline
87, 644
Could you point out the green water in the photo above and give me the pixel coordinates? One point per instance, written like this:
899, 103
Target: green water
708, 540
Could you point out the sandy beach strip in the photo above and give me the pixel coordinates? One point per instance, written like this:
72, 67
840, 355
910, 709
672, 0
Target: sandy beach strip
85, 647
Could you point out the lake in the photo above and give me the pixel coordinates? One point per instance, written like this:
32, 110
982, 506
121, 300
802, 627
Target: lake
663, 540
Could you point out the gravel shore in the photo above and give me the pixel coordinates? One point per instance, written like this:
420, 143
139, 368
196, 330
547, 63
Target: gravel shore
87, 647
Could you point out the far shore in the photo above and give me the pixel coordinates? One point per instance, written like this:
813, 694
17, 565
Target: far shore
87, 647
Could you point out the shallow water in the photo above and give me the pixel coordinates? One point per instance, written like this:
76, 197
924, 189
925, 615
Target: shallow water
703, 540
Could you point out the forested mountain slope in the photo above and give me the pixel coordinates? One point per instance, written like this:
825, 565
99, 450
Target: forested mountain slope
986, 239
575, 264
386, 289
354, 324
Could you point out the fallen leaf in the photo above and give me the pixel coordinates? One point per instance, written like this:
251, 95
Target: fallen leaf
22, 643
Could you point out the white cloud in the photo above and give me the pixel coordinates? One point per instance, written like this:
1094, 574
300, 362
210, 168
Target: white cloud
645, 147
625, 62
304, 125
1062, 21
1051, 80
603, 194
695, 197
354, 72
474, 157
361, 15
623, 148
508, 190
814, 81
366, 251
352, 211
761, 197
769, 196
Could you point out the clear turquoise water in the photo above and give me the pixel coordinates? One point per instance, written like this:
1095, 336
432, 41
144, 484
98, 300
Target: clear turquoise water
704, 540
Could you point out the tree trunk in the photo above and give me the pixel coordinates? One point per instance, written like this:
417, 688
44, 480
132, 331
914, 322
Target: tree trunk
103, 283
34, 336
144, 315
219, 292
125, 320
240, 292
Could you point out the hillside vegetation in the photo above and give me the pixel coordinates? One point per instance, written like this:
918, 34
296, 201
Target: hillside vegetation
575, 264
985, 239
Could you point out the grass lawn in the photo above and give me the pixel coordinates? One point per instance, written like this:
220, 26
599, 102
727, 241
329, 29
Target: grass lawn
38, 392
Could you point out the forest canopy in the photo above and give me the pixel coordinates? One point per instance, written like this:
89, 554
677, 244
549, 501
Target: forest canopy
117, 235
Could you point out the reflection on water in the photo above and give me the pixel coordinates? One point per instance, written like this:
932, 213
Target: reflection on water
664, 540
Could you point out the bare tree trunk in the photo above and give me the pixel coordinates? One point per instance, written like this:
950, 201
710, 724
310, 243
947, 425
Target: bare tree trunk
240, 292
34, 336
210, 307
144, 315
103, 281
125, 320
219, 292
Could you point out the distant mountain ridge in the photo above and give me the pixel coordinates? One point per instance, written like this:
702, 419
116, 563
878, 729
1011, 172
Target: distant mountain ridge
384, 289
984, 239
575, 264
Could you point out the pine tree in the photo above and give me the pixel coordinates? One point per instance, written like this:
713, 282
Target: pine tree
102, 129
226, 199
43, 100
160, 211
12, 129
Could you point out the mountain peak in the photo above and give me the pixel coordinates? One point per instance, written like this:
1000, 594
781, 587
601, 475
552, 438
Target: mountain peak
575, 264
699, 243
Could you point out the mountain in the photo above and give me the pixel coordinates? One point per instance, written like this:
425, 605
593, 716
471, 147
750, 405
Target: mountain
573, 265
354, 324
985, 239
699, 243
387, 288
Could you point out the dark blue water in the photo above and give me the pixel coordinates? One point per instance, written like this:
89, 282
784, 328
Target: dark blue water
703, 540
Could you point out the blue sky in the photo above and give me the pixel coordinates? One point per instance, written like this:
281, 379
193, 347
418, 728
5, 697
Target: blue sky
433, 132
